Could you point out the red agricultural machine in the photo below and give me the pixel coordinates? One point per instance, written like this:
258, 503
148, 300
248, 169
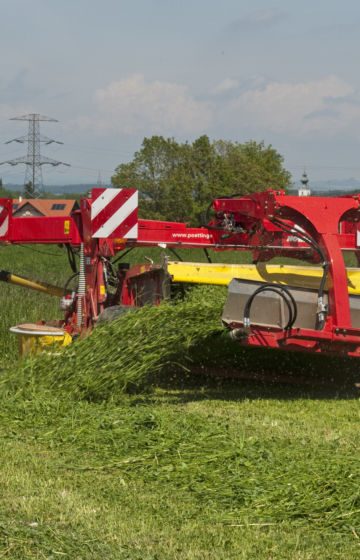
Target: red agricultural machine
313, 308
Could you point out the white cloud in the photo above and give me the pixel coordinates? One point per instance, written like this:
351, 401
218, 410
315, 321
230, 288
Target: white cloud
135, 106
226, 85
283, 107
259, 108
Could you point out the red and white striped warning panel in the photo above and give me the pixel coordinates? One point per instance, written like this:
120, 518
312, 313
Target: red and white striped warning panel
4, 222
114, 213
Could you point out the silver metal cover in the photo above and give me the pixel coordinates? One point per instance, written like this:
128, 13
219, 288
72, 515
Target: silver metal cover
269, 309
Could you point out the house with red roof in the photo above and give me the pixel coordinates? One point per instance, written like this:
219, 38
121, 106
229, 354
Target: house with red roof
35, 207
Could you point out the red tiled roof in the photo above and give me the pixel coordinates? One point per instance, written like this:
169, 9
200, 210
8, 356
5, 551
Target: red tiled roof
46, 206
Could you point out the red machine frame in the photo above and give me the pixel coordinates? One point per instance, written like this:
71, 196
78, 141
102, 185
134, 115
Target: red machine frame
271, 223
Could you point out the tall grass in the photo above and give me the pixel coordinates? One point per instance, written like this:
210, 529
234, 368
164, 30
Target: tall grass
18, 305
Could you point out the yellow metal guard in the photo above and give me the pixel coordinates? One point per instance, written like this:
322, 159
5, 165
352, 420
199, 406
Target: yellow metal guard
34, 339
222, 274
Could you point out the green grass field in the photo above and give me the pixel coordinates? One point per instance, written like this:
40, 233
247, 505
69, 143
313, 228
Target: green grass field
195, 469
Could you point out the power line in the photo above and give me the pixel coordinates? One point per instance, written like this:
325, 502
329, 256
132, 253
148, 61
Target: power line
97, 149
33, 184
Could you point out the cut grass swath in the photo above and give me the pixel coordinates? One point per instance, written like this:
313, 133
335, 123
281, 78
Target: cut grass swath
123, 354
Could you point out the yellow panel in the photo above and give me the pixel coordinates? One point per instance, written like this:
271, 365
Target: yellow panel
32, 344
222, 274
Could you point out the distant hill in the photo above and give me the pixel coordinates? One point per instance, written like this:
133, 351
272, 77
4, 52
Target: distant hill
318, 188
330, 192
57, 189
334, 185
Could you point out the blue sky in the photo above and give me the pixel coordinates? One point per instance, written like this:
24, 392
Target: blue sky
115, 71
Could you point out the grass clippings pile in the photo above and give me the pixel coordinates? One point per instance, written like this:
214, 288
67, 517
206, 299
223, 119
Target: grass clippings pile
123, 354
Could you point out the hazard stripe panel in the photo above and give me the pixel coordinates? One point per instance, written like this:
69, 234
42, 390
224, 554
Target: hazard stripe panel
106, 206
102, 201
4, 222
114, 213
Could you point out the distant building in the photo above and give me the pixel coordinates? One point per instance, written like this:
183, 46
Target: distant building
304, 190
35, 207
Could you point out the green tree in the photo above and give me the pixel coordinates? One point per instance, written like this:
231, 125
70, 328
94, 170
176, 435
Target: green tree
178, 181
6, 193
252, 167
206, 169
157, 170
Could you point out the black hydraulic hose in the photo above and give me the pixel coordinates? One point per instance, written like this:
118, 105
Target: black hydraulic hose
207, 255
176, 254
69, 280
283, 292
307, 239
120, 257
71, 258
322, 308
301, 235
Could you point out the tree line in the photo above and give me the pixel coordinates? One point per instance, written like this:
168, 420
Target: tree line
177, 181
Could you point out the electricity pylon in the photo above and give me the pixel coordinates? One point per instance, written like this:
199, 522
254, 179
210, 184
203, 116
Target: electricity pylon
34, 161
